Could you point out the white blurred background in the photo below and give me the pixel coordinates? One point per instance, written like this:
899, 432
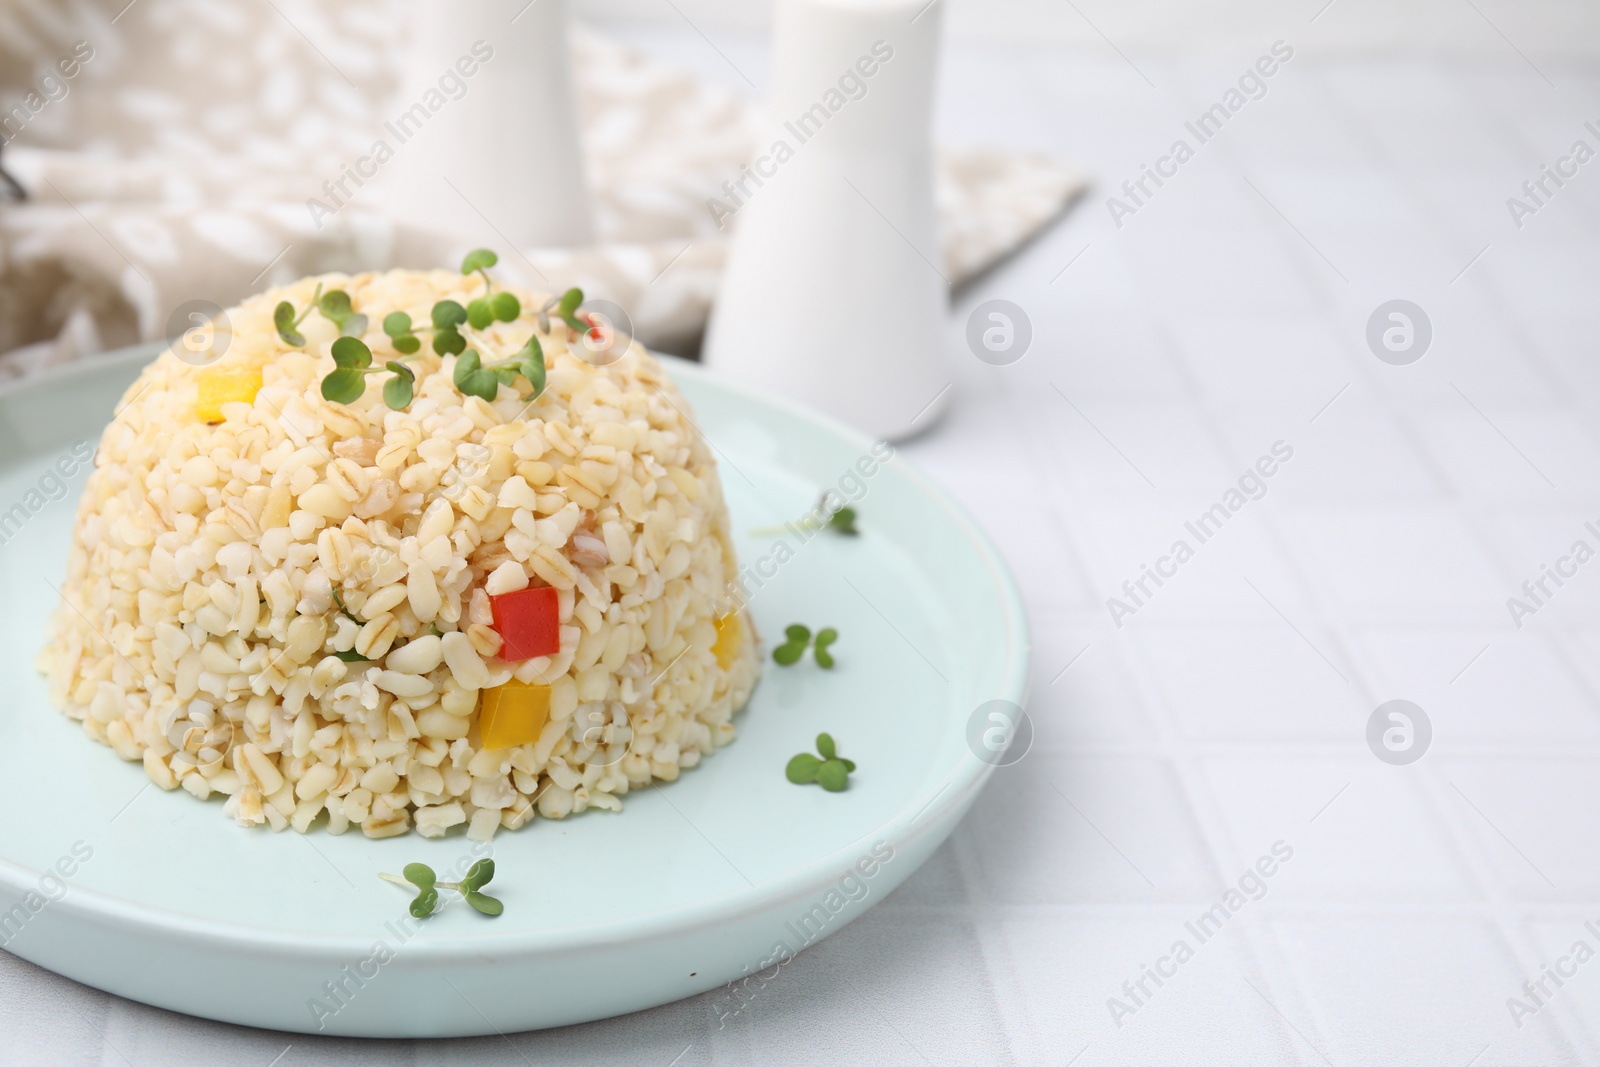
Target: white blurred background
1409, 27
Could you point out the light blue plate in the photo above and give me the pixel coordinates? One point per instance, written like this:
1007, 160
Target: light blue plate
159, 897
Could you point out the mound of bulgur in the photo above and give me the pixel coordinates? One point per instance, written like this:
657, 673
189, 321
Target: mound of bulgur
200, 632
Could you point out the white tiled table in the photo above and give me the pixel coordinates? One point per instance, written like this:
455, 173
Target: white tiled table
1229, 713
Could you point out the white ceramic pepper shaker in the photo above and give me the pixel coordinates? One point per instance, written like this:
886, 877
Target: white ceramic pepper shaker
495, 151
835, 291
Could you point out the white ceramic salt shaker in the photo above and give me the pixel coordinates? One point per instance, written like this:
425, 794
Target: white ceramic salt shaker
485, 126
834, 292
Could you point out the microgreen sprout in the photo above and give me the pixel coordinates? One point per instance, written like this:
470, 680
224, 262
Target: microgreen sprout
476, 378
426, 901
491, 306
566, 308
397, 325
346, 383
480, 260
841, 520
789, 653
352, 361
335, 307
448, 317
819, 649
473, 378
798, 639
288, 323
397, 391
831, 771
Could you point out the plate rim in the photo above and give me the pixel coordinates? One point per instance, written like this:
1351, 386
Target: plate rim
814, 876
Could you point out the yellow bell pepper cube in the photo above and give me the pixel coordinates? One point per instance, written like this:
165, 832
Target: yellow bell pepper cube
513, 714
219, 387
730, 638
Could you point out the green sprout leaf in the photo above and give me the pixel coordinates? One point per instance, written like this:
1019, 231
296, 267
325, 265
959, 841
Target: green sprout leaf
505, 306
344, 386
796, 632
802, 770
335, 304
351, 352
531, 356
479, 315
425, 903
485, 903
408, 344
567, 309
825, 746
466, 366
824, 639
447, 315
448, 342
479, 259
788, 655
336, 308
419, 875
479, 874
834, 776
844, 521
283, 318
352, 656
397, 391
473, 379
830, 752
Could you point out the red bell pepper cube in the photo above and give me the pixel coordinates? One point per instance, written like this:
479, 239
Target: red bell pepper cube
529, 623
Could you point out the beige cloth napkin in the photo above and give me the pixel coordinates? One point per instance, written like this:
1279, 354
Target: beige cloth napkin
176, 160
